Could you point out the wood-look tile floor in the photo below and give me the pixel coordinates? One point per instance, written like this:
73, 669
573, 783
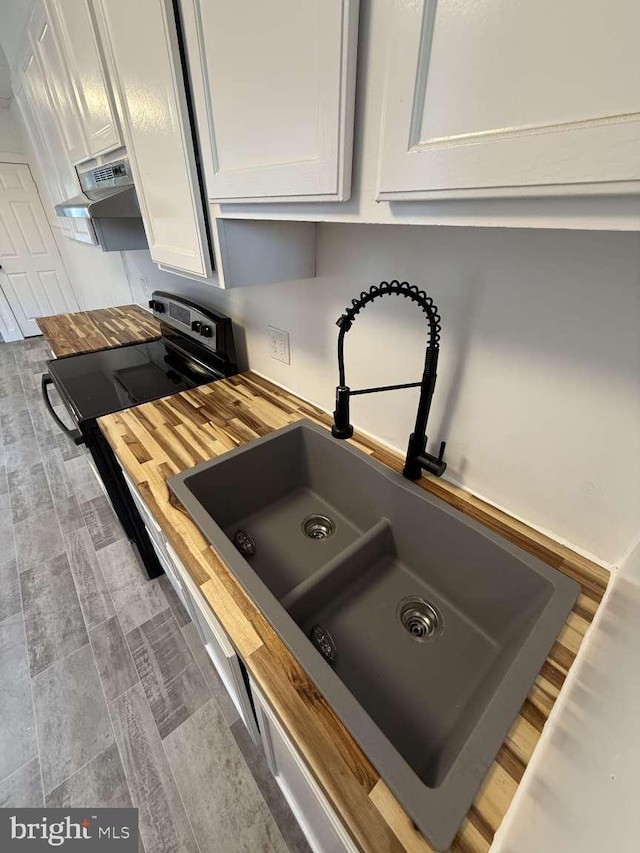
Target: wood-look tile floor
107, 697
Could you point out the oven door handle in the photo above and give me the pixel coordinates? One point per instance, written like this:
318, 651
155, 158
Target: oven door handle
74, 434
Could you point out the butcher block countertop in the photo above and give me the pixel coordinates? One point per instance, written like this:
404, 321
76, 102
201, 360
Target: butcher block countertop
90, 331
164, 437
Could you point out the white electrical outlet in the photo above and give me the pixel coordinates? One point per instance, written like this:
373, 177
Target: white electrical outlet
145, 286
279, 344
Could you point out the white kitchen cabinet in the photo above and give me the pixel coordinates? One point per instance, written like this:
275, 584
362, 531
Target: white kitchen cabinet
44, 44
213, 636
144, 61
321, 825
273, 86
38, 111
80, 46
222, 654
487, 98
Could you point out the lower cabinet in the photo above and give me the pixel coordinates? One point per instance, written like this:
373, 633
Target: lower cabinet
319, 822
213, 636
322, 827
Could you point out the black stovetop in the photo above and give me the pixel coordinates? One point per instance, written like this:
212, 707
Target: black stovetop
99, 383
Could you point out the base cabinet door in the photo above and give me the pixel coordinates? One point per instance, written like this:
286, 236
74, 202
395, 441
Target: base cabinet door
319, 822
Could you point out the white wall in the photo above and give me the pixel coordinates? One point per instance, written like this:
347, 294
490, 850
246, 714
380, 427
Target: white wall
5, 81
580, 791
11, 140
539, 383
98, 278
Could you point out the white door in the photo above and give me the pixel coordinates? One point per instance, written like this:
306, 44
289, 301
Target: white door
273, 87
82, 50
32, 277
151, 91
490, 98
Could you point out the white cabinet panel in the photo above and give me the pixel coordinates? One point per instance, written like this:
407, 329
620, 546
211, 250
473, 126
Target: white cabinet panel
491, 98
320, 824
150, 87
59, 84
222, 655
273, 86
91, 85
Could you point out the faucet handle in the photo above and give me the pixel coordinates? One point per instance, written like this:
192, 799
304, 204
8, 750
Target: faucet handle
443, 444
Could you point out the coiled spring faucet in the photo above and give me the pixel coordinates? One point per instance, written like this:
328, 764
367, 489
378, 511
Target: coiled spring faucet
417, 458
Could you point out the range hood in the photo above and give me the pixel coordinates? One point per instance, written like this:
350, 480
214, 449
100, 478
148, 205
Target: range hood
109, 200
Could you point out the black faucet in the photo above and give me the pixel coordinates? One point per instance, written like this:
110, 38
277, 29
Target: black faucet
417, 458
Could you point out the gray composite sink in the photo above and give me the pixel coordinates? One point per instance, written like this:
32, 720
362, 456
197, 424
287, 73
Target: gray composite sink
423, 630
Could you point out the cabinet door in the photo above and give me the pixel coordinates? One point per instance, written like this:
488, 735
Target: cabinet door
496, 98
322, 827
224, 657
273, 86
151, 90
59, 85
91, 86
44, 132
38, 111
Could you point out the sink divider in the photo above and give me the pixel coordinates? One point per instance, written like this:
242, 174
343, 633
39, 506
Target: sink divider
333, 576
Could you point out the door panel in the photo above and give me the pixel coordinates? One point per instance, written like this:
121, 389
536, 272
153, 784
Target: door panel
29, 228
33, 277
90, 82
490, 98
274, 97
60, 87
152, 93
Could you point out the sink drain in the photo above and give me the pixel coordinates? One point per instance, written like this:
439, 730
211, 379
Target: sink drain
419, 618
318, 526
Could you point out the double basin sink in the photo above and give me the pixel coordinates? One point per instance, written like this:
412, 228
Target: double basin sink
422, 629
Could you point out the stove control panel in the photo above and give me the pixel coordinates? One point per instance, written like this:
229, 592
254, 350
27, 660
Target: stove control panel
196, 322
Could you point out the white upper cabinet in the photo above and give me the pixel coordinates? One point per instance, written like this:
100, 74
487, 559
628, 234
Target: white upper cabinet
144, 60
40, 114
492, 97
273, 86
44, 44
82, 51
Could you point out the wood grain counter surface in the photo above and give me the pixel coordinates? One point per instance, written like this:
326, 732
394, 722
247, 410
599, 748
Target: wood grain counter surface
91, 331
164, 437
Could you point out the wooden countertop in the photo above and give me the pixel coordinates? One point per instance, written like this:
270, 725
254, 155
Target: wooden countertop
90, 331
161, 438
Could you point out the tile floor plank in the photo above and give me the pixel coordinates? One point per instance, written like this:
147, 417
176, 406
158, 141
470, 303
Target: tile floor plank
53, 618
17, 732
10, 601
101, 522
115, 665
38, 539
164, 826
23, 789
135, 597
14, 664
101, 780
71, 716
28, 492
221, 795
91, 586
172, 681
